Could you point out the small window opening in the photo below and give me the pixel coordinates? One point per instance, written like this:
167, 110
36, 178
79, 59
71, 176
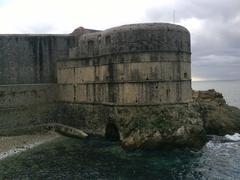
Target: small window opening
185, 75
99, 37
108, 40
90, 44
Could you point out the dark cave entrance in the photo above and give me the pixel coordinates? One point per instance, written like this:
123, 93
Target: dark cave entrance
112, 132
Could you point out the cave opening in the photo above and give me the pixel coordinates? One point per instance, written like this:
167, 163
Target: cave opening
112, 132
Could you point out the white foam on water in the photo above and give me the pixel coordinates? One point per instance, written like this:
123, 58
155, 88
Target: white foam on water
17, 150
234, 137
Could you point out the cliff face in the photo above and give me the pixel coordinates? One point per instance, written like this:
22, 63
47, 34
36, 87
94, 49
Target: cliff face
163, 127
218, 117
181, 125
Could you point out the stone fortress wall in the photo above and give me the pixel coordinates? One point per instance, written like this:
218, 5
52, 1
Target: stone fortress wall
28, 89
88, 77
31, 59
141, 64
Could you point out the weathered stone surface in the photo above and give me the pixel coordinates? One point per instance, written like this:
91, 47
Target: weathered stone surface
81, 30
66, 130
25, 105
161, 127
27, 59
160, 37
130, 83
218, 117
137, 64
22, 95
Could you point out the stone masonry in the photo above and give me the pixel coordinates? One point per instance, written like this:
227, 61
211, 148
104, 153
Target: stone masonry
92, 79
140, 64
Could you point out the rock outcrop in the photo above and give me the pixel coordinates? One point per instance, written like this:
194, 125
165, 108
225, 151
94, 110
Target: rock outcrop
181, 125
218, 117
166, 127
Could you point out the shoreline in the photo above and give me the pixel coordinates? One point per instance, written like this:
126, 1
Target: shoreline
12, 145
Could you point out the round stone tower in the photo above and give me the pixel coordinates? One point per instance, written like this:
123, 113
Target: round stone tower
138, 64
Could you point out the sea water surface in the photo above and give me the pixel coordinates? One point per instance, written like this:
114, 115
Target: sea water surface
229, 89
96, 158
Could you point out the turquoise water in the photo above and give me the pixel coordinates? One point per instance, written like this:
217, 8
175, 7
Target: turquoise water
229, 89
96, 158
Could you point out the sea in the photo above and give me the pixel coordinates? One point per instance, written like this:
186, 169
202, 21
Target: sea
97, 158
229, 88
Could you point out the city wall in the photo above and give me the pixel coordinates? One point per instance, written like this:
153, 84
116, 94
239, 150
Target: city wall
31, 59
23, 105
116, 76
28, 89
101, 79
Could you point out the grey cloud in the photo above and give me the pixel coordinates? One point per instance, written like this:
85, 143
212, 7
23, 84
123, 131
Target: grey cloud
214, 9
215, 49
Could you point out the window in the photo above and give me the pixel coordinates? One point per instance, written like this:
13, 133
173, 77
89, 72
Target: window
168, 92
185, 75
108, 40
99, 37
90, 46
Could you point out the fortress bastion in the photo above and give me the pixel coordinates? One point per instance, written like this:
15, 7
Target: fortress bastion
130, 83
138, 64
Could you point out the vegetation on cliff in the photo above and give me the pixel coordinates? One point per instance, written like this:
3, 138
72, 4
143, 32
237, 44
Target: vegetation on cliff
218, 117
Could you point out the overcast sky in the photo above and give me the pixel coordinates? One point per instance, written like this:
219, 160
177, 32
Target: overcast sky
214, 24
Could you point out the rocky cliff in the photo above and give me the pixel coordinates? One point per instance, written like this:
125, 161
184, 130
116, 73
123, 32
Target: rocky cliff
182, 125
218, 117
167, 126
153, 127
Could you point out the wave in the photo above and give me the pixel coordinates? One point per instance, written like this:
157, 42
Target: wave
234, 137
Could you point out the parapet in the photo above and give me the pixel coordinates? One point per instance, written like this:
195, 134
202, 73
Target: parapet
132, 39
